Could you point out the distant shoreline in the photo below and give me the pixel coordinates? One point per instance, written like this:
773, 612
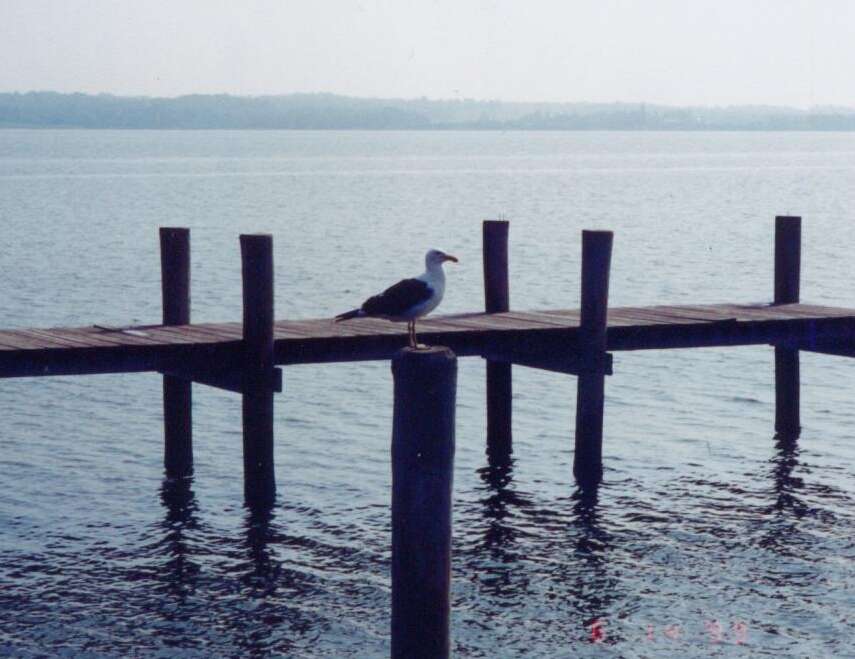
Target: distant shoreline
49, 128
51, 110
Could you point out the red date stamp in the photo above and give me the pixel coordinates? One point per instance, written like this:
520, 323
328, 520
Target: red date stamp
736, 632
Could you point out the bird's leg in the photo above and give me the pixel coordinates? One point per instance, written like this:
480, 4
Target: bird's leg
419, 346
411, 332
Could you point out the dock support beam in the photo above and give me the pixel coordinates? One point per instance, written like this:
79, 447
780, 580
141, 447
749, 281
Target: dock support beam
590, 394
788, 237
257, 273
422, 469
177, 393
497, 299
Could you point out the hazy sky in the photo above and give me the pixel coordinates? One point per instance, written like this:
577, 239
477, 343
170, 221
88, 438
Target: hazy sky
710, 52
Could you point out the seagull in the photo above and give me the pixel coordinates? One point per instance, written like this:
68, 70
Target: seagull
409, 298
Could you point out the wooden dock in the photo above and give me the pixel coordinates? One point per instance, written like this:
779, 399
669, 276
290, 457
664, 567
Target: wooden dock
545, 339
242, 356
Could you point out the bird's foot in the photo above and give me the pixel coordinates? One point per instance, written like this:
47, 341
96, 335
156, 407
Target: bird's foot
421, 346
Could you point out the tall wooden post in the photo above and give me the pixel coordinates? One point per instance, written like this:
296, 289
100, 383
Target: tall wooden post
177, 393
257, 270
590, 396
788, 245
497, 299
422, 469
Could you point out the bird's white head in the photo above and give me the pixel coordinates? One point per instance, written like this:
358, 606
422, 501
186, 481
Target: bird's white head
435, 258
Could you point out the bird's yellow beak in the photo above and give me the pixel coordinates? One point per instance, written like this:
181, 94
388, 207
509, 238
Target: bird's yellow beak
449, 257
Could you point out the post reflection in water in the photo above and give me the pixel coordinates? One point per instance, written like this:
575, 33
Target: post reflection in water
784, 462
596, 591
497, 544
782, 529
522, 534
180, 571
262, 578
277, 615
497, 476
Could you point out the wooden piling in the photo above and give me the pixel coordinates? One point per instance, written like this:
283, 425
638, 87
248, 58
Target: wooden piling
788, 240
590, 396
258, 376
497, 299
177, 392
422, 465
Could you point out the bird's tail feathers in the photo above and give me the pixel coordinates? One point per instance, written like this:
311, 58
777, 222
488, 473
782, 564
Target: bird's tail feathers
347, 315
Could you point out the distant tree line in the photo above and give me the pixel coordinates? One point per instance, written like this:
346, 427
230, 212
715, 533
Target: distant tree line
329, 111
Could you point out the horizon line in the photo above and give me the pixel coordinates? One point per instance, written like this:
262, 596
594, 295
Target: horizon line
458, 99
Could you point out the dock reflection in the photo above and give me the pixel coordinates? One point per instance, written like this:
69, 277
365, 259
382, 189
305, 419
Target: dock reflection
498, 499
785, 461
261, 534
180, 571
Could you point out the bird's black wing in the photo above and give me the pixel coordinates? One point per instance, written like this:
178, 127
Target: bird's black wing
397, 299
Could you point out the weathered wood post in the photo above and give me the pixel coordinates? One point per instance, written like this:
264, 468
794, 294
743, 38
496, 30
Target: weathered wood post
258, 377
590, 395
177, 393
422, 466
497, 299
788, 245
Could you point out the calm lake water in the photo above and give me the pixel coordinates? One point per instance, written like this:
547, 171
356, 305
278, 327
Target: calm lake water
706, 526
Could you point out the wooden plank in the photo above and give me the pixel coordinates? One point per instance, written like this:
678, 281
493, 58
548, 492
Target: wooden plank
29, 341
755, 313
176, 336
96, 337
694, 316
813, 311
547, 320
713, 313
645, 317
123, 336
507, 321
190, 334
229, 331
360, 327
15, 342
65, 339
85, 338
216, 333
679, 314
442, 324
491, 323
325, 328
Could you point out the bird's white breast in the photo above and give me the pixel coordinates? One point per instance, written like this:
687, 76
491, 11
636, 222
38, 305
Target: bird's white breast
435, 279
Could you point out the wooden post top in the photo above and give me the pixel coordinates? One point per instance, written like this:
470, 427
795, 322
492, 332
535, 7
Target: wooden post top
428, 357
174, 230
253, 241
426, 351
598, 235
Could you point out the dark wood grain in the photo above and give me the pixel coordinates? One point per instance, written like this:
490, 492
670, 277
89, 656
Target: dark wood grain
177, 392
320, 340
497, 302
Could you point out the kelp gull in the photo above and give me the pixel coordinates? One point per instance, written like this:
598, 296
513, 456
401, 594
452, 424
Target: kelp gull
409, 298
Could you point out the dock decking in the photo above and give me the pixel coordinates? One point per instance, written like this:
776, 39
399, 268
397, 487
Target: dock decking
98, 349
